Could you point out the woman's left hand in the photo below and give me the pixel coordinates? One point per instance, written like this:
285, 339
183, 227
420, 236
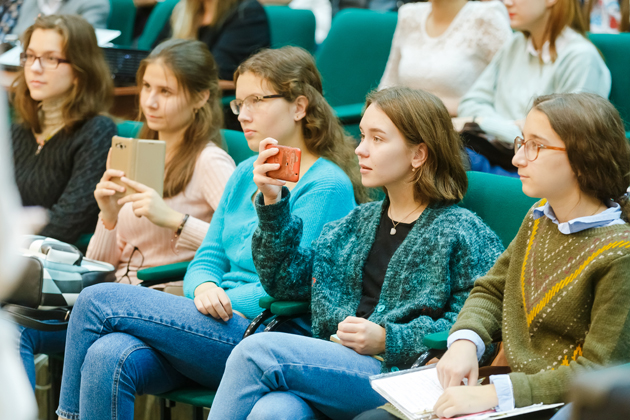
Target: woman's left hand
361, 335
146, 202
458, 400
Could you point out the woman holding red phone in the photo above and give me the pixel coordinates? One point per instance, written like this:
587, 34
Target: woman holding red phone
134, 340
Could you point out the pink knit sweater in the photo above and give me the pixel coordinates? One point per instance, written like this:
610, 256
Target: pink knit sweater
137, 243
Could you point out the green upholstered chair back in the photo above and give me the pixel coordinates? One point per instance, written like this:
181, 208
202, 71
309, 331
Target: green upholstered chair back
291, 27
159, 16
352, 59
616, 51
499, 201
234, 142
122, 17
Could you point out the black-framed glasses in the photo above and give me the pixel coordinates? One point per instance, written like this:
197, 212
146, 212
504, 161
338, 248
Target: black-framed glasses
129, 269
250, 103
532, 149
47, 61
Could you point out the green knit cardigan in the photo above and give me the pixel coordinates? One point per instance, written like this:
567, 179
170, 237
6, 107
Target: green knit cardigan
426, 284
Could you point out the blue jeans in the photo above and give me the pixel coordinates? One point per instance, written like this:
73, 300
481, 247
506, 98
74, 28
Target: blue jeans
125, 340
282, 376
33, 342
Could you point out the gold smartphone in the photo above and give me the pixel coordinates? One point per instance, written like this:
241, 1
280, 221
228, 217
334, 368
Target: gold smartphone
141, 160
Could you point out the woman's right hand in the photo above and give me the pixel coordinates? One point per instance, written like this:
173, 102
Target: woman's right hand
212, 300
107, 194
459, 362
270, 188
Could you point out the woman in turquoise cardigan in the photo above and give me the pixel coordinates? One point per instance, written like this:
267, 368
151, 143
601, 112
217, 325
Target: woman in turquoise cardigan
135, 340
378, 280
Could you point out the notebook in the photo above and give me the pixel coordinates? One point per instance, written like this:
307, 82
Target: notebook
414, 392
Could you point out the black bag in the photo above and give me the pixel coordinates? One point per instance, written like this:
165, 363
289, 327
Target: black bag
492, 149
55, 274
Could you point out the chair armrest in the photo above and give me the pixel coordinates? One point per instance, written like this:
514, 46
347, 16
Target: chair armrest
265, 302
163, 273
436, 341
290, 309
349, 113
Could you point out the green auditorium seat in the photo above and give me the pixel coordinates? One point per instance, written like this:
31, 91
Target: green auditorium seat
157, 19
291, 27
352, 59
122, 17
616, 51
500, 202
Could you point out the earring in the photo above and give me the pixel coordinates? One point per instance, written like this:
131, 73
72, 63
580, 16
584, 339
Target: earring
413, 169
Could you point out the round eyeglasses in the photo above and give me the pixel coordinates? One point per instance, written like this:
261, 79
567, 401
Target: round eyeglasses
47, 61
532, 148
251, 102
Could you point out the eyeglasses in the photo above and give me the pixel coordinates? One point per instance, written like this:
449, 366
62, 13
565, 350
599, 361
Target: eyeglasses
47, 61
129, 269
251, 102
531, 148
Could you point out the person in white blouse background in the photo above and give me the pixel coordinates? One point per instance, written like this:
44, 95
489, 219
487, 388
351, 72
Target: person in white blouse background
96, 12
442, 46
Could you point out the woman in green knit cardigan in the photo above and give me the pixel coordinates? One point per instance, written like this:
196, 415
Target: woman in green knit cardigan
560, 294
378, 280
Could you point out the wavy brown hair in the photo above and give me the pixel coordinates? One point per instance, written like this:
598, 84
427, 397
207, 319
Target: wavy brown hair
291, 72
594, 136
186, 18
563, 13
624, 8
93, 91
421, 117
196, 72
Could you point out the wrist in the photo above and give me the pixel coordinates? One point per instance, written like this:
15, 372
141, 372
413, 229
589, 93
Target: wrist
108, 222
273, 200
175, 220
204, 287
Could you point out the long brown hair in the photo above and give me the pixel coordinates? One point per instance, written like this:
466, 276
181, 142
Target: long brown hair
186, 18
594, 136
196, 71
291, 72
563, 13
421, 117
93, 91
624, 8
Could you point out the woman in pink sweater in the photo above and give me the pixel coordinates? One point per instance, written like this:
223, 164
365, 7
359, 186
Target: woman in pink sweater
179, 103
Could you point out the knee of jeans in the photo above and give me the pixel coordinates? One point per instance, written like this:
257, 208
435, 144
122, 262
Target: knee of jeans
108, 353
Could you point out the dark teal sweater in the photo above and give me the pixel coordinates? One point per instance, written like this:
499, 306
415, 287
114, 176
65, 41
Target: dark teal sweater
427, 281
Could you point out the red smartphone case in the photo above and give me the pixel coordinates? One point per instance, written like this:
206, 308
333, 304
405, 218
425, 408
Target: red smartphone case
289, 159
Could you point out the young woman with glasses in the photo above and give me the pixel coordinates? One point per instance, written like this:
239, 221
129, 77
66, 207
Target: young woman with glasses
136, 340
60, 139
560, 295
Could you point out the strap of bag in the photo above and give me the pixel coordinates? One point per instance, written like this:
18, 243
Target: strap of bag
32, 318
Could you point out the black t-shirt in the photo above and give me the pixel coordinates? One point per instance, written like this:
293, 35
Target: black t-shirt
383, 248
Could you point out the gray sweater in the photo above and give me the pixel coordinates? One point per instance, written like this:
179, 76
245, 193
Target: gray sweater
95, 12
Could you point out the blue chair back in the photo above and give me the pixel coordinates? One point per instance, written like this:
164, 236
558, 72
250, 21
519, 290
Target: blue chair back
291, 27
122, 17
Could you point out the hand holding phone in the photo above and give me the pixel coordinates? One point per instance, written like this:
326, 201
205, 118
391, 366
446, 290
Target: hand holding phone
273, 165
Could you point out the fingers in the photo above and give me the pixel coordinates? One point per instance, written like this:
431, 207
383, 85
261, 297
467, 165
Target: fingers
135, 185
473, 377
219, 308
351, 328
132, 198
265, 180
263, 145
112, 173
111, 186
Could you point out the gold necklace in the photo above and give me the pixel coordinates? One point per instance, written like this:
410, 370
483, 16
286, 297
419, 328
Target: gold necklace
393, 230
43, 143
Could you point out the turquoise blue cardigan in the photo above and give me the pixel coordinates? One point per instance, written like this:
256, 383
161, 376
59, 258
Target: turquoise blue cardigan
323, 194
427, 281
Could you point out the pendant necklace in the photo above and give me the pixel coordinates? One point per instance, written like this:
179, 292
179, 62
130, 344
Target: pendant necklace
393, 230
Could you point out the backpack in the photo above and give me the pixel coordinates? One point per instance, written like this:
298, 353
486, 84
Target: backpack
55, 274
